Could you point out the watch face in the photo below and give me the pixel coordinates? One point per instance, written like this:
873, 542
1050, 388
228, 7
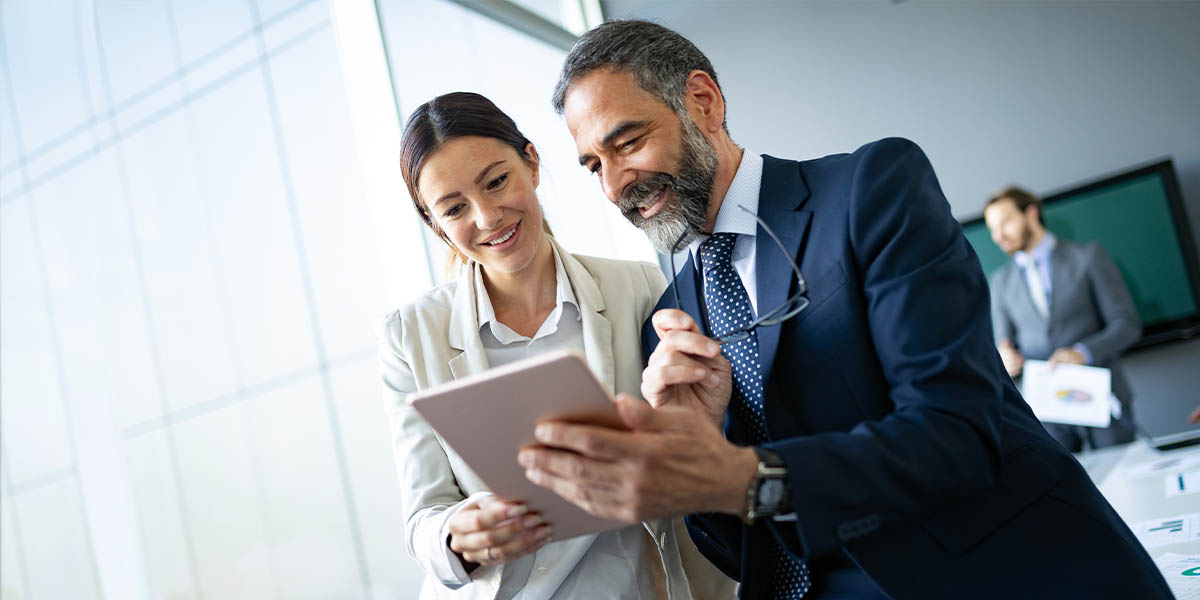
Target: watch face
770, 495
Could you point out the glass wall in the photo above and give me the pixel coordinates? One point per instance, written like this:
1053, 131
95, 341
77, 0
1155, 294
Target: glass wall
438, 47
200, 224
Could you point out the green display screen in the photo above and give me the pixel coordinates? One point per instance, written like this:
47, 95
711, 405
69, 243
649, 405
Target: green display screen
1132, 220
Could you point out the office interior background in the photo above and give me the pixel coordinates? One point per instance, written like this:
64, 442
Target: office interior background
201, 221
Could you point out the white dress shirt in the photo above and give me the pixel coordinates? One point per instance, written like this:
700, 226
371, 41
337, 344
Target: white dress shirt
611, 564
743, 191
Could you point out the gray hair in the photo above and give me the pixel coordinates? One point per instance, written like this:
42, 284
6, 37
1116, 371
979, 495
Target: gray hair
658, 58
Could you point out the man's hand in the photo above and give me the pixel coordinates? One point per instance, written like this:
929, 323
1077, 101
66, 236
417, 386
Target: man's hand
672, 462
1067, 355
687, 369
1013, 361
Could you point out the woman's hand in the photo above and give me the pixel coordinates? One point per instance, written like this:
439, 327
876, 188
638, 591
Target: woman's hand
493, 531
687, 369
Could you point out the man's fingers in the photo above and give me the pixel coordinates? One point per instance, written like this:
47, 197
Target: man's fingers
593, 441
686, 342
656, 379
637, 414
669, 319
596, 492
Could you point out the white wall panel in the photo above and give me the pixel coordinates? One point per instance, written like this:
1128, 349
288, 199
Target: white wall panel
256, 246
187, 296
55, 543
164, 534
33, 426
225, 505
313, 551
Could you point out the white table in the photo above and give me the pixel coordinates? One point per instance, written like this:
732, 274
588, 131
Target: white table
1142, 498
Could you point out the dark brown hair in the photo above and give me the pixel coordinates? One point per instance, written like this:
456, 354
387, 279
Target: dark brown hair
450, 116
1020, 197
659, 59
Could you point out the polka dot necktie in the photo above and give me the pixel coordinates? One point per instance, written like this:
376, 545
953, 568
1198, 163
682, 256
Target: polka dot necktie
729, 309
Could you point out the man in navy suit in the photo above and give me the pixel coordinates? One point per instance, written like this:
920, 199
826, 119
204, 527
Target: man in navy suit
869, 446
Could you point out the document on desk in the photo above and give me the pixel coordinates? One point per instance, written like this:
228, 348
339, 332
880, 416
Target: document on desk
1182, 572
1182, 483
1171, 464
1171, 530
1070, 394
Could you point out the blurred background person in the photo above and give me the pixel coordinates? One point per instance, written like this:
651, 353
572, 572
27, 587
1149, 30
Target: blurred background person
1060, 301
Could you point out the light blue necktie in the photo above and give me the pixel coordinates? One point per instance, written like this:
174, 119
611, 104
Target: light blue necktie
1033, 280
729, 308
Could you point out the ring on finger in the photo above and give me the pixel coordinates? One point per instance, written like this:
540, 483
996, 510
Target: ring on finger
489, 555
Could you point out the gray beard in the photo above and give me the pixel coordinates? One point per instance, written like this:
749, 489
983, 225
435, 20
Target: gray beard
677, 223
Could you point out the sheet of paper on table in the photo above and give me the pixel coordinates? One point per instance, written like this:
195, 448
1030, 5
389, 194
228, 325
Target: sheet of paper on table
1182, 572
1170, 464
1182, 483
1168, 530
1070, 394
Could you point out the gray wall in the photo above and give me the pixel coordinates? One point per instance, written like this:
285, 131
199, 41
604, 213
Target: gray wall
1045, 94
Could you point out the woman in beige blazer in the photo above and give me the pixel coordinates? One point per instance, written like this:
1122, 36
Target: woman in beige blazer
472, 176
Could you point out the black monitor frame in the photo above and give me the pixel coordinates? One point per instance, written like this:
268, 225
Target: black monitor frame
1162, 331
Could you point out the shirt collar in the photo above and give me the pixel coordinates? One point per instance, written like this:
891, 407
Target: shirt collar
1040, 253
743, 191
487, 314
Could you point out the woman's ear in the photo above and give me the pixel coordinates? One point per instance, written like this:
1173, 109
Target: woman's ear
531, 156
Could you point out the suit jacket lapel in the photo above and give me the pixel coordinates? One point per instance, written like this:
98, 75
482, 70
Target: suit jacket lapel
464, 328
688, 285
1016, 293
781, 195
597, 329
1060, 277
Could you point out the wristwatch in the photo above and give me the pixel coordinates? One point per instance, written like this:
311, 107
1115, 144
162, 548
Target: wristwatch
768, 494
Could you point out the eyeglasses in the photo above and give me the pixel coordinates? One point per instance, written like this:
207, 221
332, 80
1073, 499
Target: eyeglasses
790, 307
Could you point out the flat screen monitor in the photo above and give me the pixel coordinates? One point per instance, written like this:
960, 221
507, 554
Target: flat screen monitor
1139, 218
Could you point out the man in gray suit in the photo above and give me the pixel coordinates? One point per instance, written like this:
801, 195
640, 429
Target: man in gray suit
1060, 301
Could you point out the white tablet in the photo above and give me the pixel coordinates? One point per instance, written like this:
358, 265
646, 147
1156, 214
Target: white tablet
487, 417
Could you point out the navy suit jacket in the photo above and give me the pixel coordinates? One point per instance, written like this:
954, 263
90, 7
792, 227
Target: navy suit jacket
909, 452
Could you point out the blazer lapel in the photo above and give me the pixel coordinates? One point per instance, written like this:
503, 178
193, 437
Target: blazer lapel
1021, 296
597, 329
688, 286
464, 328
781, 195
1061, 276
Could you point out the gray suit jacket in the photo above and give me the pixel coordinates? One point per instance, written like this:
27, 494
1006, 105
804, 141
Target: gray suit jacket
1089, 305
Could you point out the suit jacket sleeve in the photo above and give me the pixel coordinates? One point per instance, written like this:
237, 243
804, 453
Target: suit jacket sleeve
1002, 326
926, 307
1122, 327
429, 492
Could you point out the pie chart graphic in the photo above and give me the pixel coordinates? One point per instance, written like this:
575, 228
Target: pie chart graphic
1071, 396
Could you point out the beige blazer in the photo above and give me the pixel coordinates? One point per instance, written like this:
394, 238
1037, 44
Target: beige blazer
436, 339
